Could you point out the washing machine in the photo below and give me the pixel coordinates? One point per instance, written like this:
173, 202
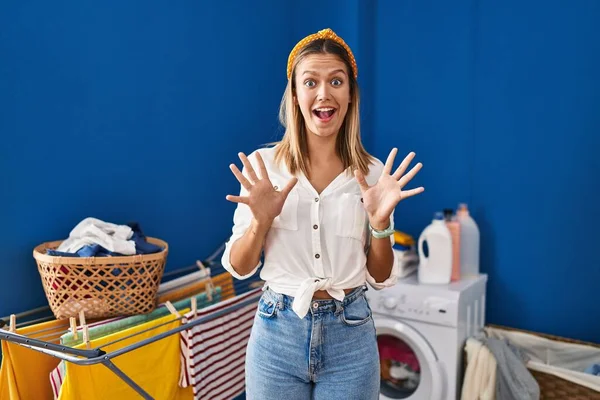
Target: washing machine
421, 332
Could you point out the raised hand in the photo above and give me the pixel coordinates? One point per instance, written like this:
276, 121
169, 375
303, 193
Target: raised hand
264, 201
381, 199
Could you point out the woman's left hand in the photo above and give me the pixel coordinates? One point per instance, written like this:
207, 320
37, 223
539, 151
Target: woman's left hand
380, 199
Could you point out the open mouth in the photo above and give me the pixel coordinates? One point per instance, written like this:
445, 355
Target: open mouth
325, 114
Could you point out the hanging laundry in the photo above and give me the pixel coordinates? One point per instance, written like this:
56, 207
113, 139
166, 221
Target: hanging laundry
215, 351
21, 366
114, 325
480, 377
497, 370
183, 281
513, 380
224, 280
154, 367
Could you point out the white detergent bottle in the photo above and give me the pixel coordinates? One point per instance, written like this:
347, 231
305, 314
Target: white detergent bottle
469, 243
437, 267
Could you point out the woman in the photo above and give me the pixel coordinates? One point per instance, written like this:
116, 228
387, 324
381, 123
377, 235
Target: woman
324, 233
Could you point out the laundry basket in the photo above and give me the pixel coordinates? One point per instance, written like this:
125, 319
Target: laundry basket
101, 286
555, 362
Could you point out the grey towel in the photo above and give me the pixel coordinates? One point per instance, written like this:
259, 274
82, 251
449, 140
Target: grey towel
513, 380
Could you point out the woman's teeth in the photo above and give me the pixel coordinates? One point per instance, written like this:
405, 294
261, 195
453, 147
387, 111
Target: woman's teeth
324, 113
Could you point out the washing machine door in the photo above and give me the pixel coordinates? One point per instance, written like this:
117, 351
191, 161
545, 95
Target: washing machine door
409, 366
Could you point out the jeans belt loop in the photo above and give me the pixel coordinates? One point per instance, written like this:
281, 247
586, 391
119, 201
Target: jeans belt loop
339, 307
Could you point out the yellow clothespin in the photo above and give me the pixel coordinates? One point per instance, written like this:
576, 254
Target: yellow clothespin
194, 305
73, 322
172, 309
13, 323
86, 337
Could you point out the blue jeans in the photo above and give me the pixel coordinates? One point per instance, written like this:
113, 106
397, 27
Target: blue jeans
329, 354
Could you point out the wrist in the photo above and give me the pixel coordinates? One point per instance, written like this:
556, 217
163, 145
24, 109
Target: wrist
379, 233
260, 226
379, 224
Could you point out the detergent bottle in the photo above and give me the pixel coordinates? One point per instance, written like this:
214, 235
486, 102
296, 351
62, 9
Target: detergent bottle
436, 268
469, 242
454, 228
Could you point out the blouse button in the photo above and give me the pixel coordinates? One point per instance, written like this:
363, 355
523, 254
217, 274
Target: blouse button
315, 226
316, 199
317, 255
275, 187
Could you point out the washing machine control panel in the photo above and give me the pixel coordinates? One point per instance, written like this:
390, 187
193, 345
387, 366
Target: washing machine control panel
432, 309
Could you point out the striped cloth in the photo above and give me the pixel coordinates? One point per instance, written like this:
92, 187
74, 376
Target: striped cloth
56, 378
214, 353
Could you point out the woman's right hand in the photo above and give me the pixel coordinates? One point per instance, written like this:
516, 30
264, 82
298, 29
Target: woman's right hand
264, 201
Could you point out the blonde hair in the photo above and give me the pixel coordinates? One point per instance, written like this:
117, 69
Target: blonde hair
293, 147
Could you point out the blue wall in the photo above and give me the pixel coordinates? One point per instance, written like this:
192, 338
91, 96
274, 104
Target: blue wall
500, 102
130, 111
134, 112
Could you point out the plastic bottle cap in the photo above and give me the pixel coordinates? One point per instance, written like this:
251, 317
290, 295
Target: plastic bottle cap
463, 210
448, 213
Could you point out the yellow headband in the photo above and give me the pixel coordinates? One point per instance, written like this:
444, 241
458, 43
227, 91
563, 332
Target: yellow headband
323, 34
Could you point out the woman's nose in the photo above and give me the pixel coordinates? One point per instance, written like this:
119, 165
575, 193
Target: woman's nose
323, 93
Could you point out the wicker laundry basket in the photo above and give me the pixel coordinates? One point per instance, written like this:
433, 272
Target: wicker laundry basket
101, 286
551, 386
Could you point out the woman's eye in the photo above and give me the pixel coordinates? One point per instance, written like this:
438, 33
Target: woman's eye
309, 83
336, 82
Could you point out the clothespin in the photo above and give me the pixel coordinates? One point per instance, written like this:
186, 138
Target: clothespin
172, 309
202, 268
86, 337
208, 288
73, 322
82, 318
13, 323
84, 327
194, 305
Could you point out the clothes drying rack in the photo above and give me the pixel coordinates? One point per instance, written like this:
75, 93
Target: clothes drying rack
86, 357
46, 309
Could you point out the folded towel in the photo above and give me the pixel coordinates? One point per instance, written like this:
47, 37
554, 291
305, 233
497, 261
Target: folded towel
408, 262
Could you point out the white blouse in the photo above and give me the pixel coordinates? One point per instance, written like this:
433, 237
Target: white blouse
318, 242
